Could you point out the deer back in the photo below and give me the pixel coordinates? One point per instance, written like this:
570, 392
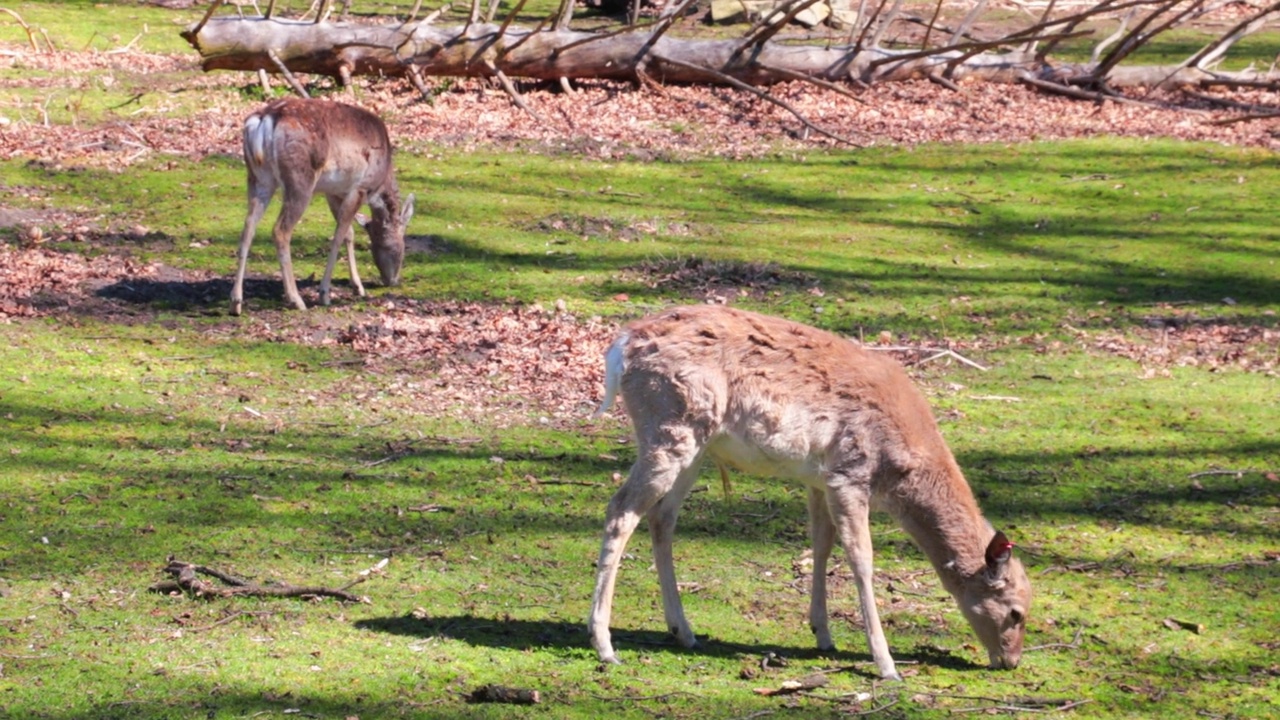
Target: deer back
774, 396
335, 147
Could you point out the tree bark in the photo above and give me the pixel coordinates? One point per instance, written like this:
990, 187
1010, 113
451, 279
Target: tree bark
485, 49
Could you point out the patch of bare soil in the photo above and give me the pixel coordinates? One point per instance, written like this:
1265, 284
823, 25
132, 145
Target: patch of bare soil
719, 281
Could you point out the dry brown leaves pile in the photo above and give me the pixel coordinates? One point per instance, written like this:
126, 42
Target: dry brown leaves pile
609, 119
1209, 345
490, 359
506, 363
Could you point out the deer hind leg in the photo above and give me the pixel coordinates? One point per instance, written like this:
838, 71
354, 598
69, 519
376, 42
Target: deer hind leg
260, 192
851, 509
656, 474
662, 529
344, 214
822, 533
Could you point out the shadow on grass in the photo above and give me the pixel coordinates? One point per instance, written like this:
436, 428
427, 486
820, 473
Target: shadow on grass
512, 634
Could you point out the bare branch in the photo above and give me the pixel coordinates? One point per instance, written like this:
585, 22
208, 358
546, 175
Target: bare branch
193, 31
508, 86
885, 23
1139, 36
937, 10
1214, 50
564, 15
765, 32
663, 25
1048, 11
507, 49
729, 80
288, 76
866, 27
792, 74
502, 29
968, 22
1106, 42
556, 52
31, 36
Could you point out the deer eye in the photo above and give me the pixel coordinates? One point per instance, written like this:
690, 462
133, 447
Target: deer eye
1016, 617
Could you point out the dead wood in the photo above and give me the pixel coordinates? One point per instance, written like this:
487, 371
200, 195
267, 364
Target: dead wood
502, 694
187, 581
332, 48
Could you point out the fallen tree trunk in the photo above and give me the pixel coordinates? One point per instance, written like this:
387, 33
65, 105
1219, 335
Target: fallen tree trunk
342, 50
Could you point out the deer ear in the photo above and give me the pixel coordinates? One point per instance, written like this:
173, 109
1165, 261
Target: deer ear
406, 212
362, 220
999, 550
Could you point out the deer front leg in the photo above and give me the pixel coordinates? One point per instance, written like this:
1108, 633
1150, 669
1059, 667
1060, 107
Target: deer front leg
822, 534
851, 509
344, 214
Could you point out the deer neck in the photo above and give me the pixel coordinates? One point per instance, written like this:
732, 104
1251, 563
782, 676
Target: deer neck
938, 510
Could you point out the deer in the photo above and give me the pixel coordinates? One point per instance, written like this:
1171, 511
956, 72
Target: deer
772, 397
344, 152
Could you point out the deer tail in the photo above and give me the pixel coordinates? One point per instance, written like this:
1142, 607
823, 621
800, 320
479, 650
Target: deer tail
614, 366
258, 129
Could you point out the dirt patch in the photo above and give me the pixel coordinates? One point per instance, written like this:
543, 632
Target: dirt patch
718, 280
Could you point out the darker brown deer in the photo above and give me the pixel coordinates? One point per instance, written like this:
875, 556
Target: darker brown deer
776, 398
344, 152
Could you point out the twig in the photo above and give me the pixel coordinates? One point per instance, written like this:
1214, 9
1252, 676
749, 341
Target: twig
556, 52
729, 80
760, 36
1206, 473
31, 36
1075, 643
1245, 118
288, 75
187, 582
938, 353
794, 75
208, 14
664, 24
365, 574
507, 49
225, 620
511, 90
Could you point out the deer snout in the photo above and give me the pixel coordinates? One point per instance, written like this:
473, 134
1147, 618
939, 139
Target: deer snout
1007, 661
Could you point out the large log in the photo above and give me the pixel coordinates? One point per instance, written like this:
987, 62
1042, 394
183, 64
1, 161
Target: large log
339, 49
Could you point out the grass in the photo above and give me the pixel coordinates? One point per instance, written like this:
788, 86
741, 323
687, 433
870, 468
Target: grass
125, 444
177, 432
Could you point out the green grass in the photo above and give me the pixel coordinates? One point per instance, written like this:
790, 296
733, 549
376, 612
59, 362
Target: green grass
177, 431
125, 444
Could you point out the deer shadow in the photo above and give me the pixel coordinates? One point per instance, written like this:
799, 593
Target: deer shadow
571, 638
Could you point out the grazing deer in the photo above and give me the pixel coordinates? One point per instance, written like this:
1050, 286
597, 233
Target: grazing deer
310, 146
773, 397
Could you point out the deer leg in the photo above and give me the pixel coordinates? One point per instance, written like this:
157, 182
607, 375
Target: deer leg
851, 509
662, 528
822, 533
282, 234
344, 213
259, 197
655, 473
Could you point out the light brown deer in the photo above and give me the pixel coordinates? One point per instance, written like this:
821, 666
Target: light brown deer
773, 397
344, 152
